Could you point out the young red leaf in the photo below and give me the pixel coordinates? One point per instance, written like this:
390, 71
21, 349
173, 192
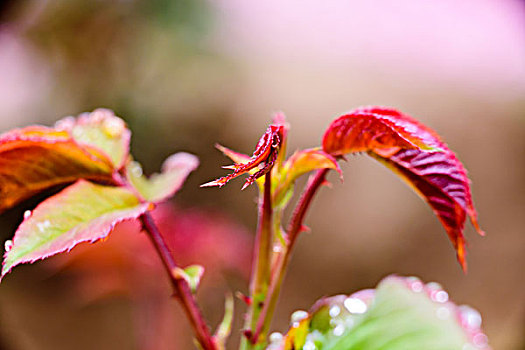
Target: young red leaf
418, 155
35, 158
261, 161
441, 180
101, 130
161, 186
83, 212
370, 128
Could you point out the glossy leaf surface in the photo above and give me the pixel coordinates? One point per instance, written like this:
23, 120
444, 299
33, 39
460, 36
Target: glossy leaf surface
370, 128
418, 155
35, 158
83, 212
159, 187
101, 130
401, 314
441, 180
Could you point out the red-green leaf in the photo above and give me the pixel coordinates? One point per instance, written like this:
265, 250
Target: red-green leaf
35, 158
418, 155
83, 212
441, 180
370, 128
159, 187
101, 130
300, 163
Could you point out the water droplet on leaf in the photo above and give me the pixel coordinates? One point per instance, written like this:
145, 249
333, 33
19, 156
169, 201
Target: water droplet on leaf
27, 214
135, 169
440, 296
8, 245
42, 226
480, 340
276, 337
309, 345
277, 248
334, 311
339, 330
298, 316
470, 318
66, 123
355, 306
113, 127
415, 284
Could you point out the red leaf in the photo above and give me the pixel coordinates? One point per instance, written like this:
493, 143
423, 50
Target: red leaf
370, 128
418, 155
441, 180
262, 160
35, 158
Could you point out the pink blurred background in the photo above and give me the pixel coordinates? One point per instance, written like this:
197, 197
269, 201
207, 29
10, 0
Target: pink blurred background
186, 74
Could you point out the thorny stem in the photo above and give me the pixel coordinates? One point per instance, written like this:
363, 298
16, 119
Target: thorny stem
262, 258
281, 264
180, 285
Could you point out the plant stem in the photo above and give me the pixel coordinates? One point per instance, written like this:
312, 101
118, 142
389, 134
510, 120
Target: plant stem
180, 285
281, 264
261, 260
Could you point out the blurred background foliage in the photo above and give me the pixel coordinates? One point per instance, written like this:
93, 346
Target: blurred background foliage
188, 73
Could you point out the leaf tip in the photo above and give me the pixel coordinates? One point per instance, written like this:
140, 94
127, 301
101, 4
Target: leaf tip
461, 254
213, 183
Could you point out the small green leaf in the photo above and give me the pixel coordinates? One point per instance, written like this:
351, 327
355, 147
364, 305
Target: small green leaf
192, 274
164, 185
83, 212
103, 130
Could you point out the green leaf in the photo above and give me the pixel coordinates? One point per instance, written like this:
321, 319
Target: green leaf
401, 314
83, 212
103, 130
192, 274
164, 185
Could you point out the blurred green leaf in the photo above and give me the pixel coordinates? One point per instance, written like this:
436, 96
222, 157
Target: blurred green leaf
401, 314
164, 185
83, 212
103, 130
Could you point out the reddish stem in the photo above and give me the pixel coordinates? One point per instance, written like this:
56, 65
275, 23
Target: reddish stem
278, 272
262, 257
263, 240
180, 285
